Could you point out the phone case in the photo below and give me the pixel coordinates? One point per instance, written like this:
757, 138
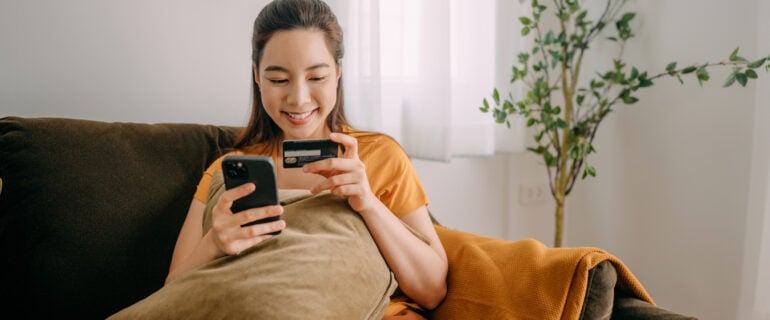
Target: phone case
260, 170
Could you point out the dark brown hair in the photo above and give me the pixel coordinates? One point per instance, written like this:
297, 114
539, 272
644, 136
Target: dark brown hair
280, 15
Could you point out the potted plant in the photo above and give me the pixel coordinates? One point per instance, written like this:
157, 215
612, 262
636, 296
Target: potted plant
564, 105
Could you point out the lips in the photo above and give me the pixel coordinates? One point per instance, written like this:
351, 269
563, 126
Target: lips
299, 118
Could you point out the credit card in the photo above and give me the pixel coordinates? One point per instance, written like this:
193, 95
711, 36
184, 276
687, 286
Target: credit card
297, 153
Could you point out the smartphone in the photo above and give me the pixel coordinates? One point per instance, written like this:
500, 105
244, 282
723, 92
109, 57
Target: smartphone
260, 170
297, 153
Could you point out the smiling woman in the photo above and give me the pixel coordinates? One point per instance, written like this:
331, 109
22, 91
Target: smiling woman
297, 95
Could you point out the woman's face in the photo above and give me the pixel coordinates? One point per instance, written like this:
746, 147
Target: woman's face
298, 79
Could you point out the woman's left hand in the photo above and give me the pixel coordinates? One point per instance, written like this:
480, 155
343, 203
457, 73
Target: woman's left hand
345, 175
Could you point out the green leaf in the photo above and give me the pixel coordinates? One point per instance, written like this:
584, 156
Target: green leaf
628, 17
508, 107
525, 31
549, 37
590, 170
499, 115
582, 15
574, 153
496, 96
634, 74
689, 69
550, 160
486, 105
644, 82
730, 80
751, 74
757, 64
630, 100
590, 149
531, 122
671, 67
742, 79
525, 21
703, 75
580, 99
734, 57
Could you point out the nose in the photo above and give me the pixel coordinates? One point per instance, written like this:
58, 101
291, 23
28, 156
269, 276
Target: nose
299, 94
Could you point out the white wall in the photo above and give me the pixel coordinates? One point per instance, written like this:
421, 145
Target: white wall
674, 171
144, 60
672, 198
755, 286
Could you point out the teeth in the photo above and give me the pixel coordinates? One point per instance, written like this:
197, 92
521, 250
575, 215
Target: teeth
299, 116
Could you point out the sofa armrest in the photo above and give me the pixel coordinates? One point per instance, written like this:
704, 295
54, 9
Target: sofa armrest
605, 301
630, 308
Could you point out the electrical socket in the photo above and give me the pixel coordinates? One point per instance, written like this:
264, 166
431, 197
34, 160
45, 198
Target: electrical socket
533, 193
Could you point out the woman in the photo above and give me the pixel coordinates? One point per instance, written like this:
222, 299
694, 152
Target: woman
297, 94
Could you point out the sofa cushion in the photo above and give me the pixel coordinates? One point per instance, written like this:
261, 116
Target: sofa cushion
324, 265
76, 192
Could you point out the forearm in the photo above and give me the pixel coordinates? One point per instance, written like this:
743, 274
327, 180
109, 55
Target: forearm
419, 267
204, 252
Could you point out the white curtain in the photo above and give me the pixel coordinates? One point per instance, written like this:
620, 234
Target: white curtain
418, 71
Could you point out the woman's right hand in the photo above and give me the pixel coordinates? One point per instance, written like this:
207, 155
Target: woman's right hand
226, 230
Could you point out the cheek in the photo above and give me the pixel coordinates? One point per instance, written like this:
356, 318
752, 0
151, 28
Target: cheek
330, 94
270, 98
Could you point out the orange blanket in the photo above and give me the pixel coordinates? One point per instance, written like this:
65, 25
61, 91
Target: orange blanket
500, 279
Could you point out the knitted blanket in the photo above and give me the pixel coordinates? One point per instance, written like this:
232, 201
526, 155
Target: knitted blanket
500, 279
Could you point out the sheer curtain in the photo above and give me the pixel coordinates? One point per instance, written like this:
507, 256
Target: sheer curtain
418, 71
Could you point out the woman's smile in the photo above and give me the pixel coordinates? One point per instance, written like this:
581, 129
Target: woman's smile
300, 118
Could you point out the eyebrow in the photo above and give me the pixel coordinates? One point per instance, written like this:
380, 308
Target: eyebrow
282, 69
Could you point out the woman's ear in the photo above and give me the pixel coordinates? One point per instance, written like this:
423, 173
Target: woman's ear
255, 73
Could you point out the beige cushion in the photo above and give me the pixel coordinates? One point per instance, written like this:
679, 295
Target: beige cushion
324, 265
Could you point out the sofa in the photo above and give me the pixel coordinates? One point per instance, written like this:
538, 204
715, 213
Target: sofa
90, 212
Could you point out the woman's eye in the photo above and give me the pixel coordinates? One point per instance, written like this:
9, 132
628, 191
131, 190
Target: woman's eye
278, 81
317, 78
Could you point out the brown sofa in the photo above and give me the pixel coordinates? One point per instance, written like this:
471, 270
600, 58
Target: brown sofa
90, 211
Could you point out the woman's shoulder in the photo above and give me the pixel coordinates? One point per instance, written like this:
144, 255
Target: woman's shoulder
380, 150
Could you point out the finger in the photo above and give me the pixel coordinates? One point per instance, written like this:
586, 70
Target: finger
335, 181
350, 144
241, 245
228, 197
331, 166
261, 229
255, 214
347, 190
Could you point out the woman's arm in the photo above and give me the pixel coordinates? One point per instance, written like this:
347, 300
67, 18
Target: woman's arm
419, 267
226, 236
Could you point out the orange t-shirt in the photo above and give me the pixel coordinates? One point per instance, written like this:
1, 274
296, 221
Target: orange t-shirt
391, 175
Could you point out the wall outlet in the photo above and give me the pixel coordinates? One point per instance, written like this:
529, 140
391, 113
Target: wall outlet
533, 193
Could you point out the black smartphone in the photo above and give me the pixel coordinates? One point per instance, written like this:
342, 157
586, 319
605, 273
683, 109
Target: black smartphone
260, 170
296, 153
